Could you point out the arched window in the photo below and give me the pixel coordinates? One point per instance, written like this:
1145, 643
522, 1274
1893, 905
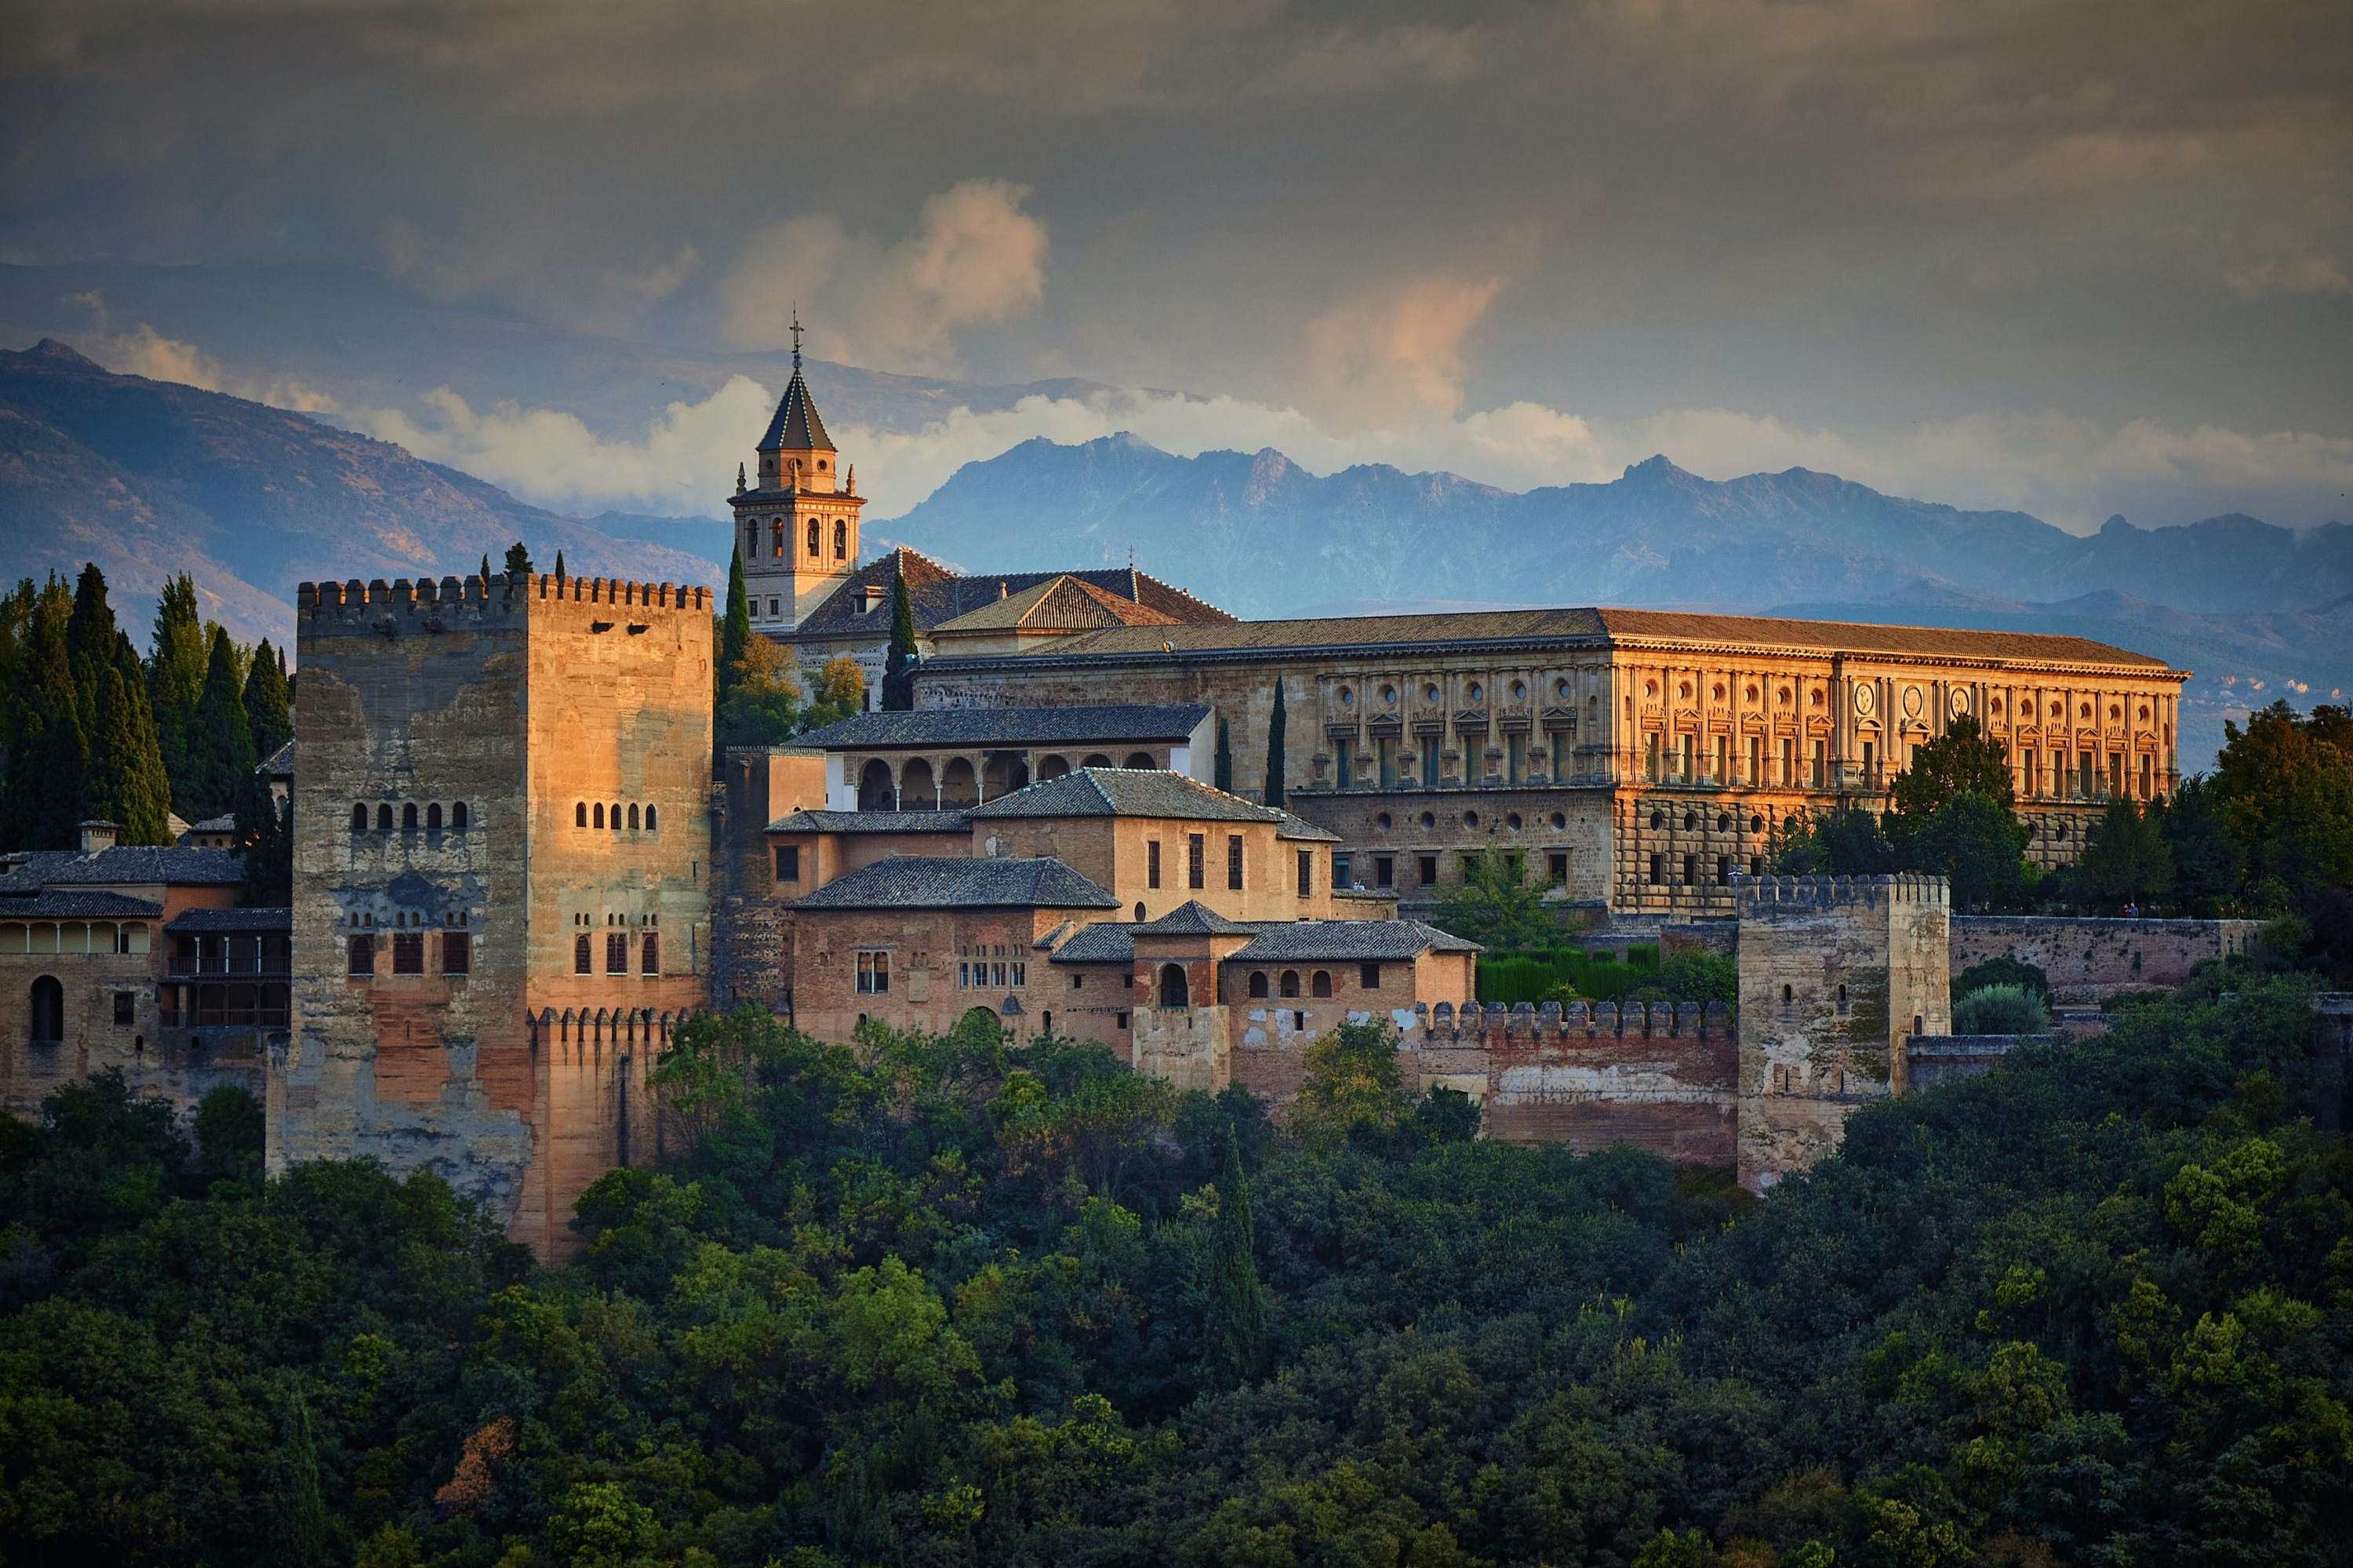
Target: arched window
633, 816
1291, 982
1258, 983
617, 816
840, 541
1053, 767
359, 817
1141, 759
408, 817
599, 809
458, 816
433, 817
877, 791
48, 1011
1096, 759
1322, 984
1139, 911
649, 819
1174, 990
384, 819
580, 813
812, 537
775, 539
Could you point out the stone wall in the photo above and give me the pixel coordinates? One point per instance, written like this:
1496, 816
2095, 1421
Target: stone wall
752, 949
2088, 960
1930, 1063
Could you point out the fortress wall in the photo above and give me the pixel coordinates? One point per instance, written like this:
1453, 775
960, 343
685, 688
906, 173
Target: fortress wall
2088, 960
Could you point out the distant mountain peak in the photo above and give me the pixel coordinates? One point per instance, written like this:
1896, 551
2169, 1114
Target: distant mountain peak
2116, 523
1656, 467
56, 353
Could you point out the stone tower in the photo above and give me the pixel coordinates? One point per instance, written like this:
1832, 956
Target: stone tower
1836, 973
501, 878
798, 527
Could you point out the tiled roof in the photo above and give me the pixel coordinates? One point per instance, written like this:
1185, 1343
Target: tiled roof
77, 907
873, 823
795, 427
1125, 792
1063, 603
1301, 829
937, 596
936, 882
1194, 918
1104, 942
122, 863
222, 824
1384, 634
1348, 941
1111, 727
208, 921
281, 762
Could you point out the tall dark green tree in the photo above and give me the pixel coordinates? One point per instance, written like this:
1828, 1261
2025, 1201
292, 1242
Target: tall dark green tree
1274, 760
222, 749
2126, 858
899, 667
47, 750
735, 625
2208, 860
486, 565
1961, 761
1225, 773
559, 565
1977, 846
265, 828
124, 782
519, 559
1234, 1331
175, 671
298, 1535
268, 714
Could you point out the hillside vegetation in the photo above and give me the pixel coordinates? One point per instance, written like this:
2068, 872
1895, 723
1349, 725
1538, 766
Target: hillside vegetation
938, 1301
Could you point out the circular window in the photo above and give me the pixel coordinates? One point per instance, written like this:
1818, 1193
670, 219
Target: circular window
1785, 696
1347, 698
2087, 710
1560, 819
1959, 701
1817, 696
1866, 698
1756, 824
1470, 818
1430, 693
2116, 710
2060, 831
1429, 819
1381, 823
1913, 701
2144, 713
1724, 823
1657, 818
1752, 693
1650, 688
1719, 690
1512, 820
1994, 707
1519, 691
1477, 691
1389, 693
1560, 688
1684, 690
1690, 821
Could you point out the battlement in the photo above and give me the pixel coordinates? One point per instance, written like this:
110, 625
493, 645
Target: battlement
1762, 898
369, 606
1494, 1025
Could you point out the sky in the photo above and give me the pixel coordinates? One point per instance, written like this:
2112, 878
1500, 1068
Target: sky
2074, 256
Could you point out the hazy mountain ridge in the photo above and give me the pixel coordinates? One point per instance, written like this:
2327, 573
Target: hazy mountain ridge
1261, 535
151, 478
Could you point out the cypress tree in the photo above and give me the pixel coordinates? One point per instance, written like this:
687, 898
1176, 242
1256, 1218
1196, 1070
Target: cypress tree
298, 1533
268, 845
1225, 758
1275, 765
46, 749
1235, 1334
559, 565
126, 783
736, 630
176, 672
899, 667
223, 744
268, 710
90, 633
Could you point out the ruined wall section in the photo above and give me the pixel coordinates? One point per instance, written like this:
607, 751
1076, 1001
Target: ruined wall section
2088, 960
1835, 973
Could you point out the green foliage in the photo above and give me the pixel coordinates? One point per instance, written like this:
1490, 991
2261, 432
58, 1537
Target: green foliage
840, 691
735, 620
1843, 842
2000, 1010
269, 701
175, 671
230, 1134
518, 561
1497, 903
220, 749
942, 1299
762, 705
1565, 974
898, 665
2126, 858
2004, 971
1977, 846
1697, 974
1961, 761
2209, 862
1277, 722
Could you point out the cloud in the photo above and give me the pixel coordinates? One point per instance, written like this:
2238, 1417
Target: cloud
975, 260
147, 352
1397, 351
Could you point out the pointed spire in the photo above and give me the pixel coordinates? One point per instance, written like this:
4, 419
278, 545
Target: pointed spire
739, 479
796, 335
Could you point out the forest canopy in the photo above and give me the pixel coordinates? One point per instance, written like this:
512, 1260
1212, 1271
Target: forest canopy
943, 1300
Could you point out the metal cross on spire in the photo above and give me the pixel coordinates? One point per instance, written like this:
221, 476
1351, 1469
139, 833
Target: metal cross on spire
796, 336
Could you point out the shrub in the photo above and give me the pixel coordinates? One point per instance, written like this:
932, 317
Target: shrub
2003, 971
2000, 1010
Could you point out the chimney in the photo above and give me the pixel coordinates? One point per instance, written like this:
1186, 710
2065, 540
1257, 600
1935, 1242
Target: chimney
97, 835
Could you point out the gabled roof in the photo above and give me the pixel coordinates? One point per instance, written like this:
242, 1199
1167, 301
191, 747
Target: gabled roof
208, 921
1104, 942
1125, 792
1194, 918
1348, 941
1063, 604
1110, 726
797, 427
937, 881
937, 596
873, 823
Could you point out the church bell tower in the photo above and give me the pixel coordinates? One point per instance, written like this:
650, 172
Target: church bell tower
798, 526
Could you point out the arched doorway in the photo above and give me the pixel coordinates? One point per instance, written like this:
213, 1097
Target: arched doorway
916, 792
1174, 991
1005, 772
956, 785
875, 791
48, 1011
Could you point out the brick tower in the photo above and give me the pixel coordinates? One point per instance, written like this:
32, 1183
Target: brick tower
797, 528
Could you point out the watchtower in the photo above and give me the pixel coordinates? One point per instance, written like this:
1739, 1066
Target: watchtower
797, 528
501, 871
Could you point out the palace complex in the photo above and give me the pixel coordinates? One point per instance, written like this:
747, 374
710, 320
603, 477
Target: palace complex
518, 863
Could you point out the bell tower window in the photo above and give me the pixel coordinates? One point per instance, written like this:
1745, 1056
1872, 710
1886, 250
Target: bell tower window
776, 544
840, 541
812, 537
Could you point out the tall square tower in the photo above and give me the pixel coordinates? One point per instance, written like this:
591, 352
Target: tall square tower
501, 873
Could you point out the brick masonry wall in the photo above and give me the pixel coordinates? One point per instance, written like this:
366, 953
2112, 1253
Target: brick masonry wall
2088, 960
